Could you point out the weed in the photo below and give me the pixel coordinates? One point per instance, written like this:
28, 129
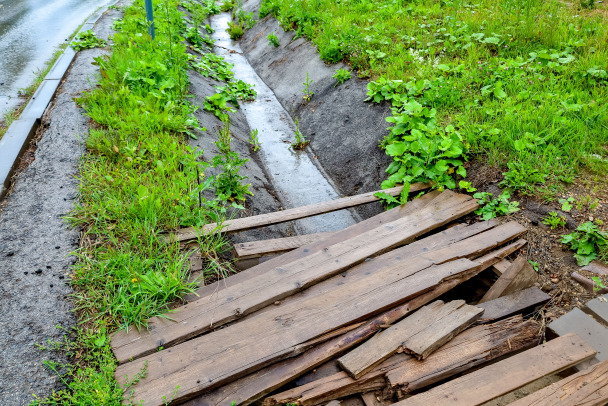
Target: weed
87, 40
218, 105
253, 140
301, 142
587, 202
228, 183
307, 92
599, 284
235, 30
491, 207
246, 19
227, 5
554, 221
567, 204
534, 264
587, 241
341, 76
273, 40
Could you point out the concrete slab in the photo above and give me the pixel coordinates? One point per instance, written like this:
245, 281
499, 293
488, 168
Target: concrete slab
596, 335
598, 308
41, 99
62, 65
86, 27
12, 145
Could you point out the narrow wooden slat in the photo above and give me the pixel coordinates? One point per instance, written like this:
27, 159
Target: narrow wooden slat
256, 249
508, 375
472, 347
420, 333
519, 275
586, 388
246, 390
233, 302
202, 364
246, 223
500, 267
519, 302
263, 268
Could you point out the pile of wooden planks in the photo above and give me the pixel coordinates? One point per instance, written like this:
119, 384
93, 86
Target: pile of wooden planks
365, 298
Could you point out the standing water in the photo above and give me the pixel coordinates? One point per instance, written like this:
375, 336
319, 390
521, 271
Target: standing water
293, 174
30, 31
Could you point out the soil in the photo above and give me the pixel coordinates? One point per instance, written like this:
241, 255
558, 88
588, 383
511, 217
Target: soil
35, 243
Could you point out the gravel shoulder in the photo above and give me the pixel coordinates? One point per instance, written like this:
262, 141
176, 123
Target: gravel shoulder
35, 241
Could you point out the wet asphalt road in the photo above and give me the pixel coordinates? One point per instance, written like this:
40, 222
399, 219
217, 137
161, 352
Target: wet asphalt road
30, 31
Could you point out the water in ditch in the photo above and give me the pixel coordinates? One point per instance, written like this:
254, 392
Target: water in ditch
295, 177
30, 31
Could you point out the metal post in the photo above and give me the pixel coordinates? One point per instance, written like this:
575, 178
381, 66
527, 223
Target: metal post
150, 18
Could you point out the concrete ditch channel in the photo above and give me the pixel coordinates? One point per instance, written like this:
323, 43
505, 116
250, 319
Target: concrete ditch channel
343, 159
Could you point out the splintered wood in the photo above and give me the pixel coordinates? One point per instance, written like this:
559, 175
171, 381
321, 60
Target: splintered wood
366, 296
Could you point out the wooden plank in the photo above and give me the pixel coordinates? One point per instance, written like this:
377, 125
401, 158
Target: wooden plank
296, 213
201, 364
256, 249
524, 302
420, 334
264, 268
249, 389
473, 347
500, 267
519, 275
233, 302
586, 388
508, 375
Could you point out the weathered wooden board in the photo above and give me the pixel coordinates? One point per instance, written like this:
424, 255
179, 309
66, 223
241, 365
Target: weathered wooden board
519, 275
508, 375
586, 388
524, 301
246, 223
256, 249
420, 334
500, 267
235, 301
253, 387
473, 347
201, 364
264, 268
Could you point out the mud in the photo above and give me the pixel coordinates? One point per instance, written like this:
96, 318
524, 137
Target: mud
35, 242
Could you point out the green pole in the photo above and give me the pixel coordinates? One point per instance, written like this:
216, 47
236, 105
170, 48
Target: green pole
150, 18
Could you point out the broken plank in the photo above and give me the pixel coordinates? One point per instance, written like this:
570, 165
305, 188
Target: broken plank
420, 333
519, 275
307, 250
508, 375
471, 348
256, 249
524, 301
235, 301
500, 267
267, 219
249, 389
201, 364
586, 388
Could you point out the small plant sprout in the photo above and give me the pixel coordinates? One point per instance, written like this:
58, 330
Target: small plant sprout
227, 5
598, 285
300, 142
307, 92
491, 207
235, 30
554, 221
87, 40
588, 242
534, 264
567, 204
341, 76
253, 140
273, 40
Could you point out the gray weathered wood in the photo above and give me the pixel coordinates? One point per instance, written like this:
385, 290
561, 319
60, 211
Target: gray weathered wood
586, 388
256, 249
524, 301
519, 275
246, 223
508, 375
420, 334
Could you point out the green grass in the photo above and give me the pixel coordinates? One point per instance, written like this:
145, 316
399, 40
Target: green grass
524, 83
139, 179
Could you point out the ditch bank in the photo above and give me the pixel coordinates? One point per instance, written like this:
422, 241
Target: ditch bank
345, 132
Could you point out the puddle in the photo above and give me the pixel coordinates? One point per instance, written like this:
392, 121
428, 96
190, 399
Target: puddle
293, 174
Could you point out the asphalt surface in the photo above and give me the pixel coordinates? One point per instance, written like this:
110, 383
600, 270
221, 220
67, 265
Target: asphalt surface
30, 31
35, 242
